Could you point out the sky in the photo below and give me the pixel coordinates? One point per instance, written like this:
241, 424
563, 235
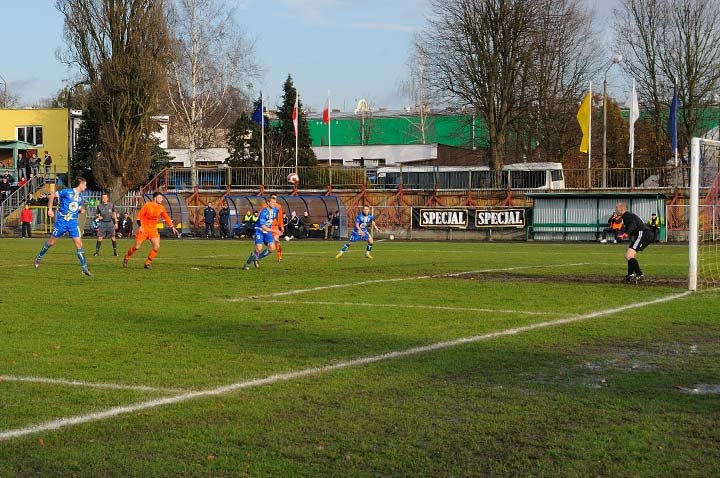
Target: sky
355, 49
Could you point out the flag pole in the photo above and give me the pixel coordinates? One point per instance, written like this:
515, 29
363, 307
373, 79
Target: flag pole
329, 139
589, 178
297, 130
262, 137
632, 127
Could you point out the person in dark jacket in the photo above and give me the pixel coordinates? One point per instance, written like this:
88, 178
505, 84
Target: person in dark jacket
654, 224
225, 222
209, 217
336, 225
641, 236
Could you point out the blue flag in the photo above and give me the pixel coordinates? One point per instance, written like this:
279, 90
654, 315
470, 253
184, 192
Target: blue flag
672, 123
258, 115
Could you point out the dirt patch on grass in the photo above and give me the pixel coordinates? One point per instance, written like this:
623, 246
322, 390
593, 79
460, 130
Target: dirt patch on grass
574, 279
702, 389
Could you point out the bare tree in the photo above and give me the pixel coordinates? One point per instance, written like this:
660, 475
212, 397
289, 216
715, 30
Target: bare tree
564, 60
120, 48
476, 54
671, 44
415, 89
211, 58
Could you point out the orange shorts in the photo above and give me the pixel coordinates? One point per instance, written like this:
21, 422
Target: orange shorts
143, 236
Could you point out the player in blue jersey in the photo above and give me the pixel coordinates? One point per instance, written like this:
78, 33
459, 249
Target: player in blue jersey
364, 222
264, 233
70, 203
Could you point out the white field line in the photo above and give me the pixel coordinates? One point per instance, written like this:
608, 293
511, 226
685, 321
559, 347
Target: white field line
283, 377
401, 279
78, 383
406, 306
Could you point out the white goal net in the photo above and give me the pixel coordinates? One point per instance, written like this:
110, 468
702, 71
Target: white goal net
704, 214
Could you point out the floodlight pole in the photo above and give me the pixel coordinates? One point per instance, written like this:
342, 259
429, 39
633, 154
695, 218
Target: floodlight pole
71, 124
614, 61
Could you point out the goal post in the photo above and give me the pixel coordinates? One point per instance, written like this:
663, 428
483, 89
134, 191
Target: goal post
704, 223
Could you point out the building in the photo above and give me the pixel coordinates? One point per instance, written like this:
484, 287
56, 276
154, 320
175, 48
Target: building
382, 138
34, 131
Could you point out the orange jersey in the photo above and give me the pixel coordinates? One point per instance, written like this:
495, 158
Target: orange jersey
149, 214
277, 224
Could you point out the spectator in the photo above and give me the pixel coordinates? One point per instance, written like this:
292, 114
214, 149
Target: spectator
293, 225
4, 188
614, 227
47, 161
20, 165
209, 216
126, 225
248, 225
225, 222
26, 218
8, 176
654, 224
326, 226
27, 167
336, 225
305, 224
22, 182
35, 165
33, 162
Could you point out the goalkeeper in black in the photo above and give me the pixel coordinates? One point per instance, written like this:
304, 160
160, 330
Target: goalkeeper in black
641, 236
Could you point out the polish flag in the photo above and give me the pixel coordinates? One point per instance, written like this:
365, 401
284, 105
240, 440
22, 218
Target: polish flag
295, 115
326, 111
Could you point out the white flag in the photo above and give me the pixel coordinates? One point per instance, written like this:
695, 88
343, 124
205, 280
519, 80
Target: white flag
634, 115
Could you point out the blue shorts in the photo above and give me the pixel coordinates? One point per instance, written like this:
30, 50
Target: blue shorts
63, 227
357, 237
263, 237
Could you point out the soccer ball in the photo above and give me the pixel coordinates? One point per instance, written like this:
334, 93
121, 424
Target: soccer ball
293, 178
392, 238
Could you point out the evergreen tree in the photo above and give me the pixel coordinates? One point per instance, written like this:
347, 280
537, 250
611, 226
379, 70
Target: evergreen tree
306, 156
244, 142
86, 150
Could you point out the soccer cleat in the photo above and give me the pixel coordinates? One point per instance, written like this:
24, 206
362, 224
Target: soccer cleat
256, 263
115, 253
36, 263
96, 254
339, 255
246, 267
639, 278
603, 241
614, 241
146, 266
368, 256
125, 262
86, 272
630, 278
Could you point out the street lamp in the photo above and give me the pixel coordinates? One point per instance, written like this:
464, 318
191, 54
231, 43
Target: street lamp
71, 126
4, 92
614, 61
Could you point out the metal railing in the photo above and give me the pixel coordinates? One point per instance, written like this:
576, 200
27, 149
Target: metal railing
321, 178
17, 198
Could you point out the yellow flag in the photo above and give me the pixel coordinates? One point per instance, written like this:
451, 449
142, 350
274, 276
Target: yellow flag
583, 117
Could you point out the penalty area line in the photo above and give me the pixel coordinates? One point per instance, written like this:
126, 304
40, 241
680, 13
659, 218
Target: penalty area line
407, 306
401, 279
284, 377
78, 383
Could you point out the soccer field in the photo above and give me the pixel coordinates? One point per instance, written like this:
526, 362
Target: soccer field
432, 360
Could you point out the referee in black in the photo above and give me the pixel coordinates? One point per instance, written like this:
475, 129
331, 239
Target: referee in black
641, 236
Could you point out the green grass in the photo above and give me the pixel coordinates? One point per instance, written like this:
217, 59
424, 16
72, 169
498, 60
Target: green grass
598, 397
